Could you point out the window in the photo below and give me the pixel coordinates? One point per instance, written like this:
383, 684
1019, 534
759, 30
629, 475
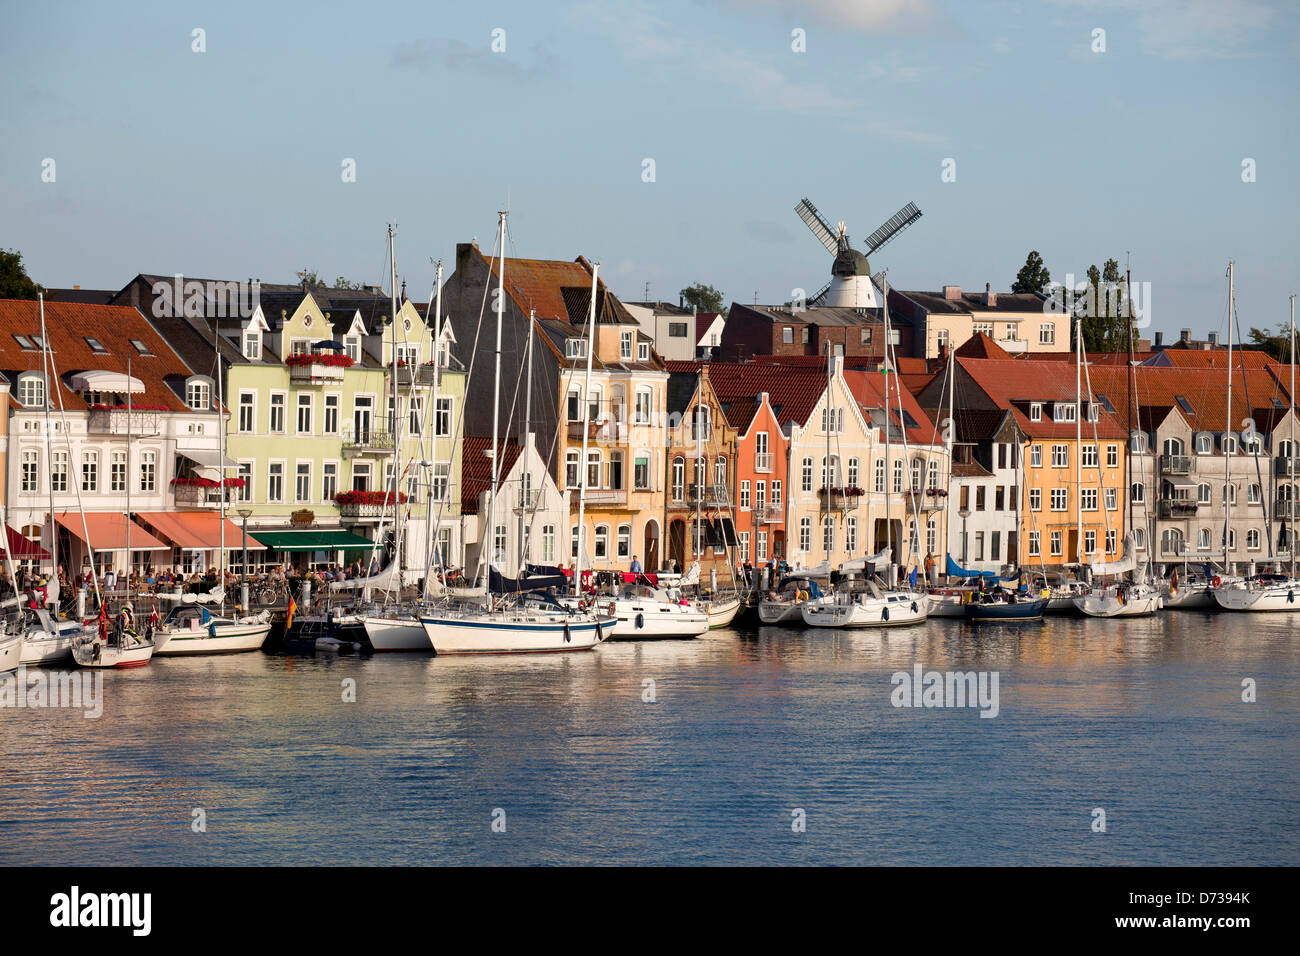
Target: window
720, 471
760, 552
898, 476
851, 535
275, 481
1064, 412
352, 345
787, 337
59, 471
117, 472
1253, 496
1230, 444
593, 469
979, 546
1230, 493
625, 346
853, 473
25, 343
1252, 539
679, 479
329, 481
803, 335
828, 533
1171, 541
1036, 456
1112, 499
642, 407
1112, 456
1055, 539
701, 429
1088, 499
252, 344
331, 415
90, 471
442, 418
1035, 499
641, 471
643, 352
979, 497
361, 476
302, 482
1110, 541
247, 411
1204, 445
245, 471
1232, 540
1046, 333
1090, 542
806, 475
1138, 492
744, 495
1035, 411
615, 470
548, 543
31, 480
305, 403
776, 493
602, 541
277, 412
805, 533
1060, 456
198, 396
1059, 499
624, 541
1203, 494
575, 348
441, 481
982, 328
880, 476
1089, 456
1035, 544
31, 391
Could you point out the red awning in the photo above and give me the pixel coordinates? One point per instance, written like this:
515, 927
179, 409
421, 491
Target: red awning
196, 530
22, 549
108, 531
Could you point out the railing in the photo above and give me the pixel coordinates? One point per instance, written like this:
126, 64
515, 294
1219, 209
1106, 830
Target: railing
362, 512
119, 421
575, 430
708, 495
1013, 345
196, 496
606, 496
1176, 464
315, 374
1286, 508
528, 500
1285, 466
367, 441
763, 462
769, 514
1177, 507
839, 499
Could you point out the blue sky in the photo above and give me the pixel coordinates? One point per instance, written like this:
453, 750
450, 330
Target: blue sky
227, 163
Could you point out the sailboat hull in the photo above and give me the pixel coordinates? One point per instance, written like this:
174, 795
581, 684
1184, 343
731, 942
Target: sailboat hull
512, 634
721, 613
1277, 598
42, 647
639, 620
1109, 604
11, 653
222, 639
96, 654
396, 634
895, 610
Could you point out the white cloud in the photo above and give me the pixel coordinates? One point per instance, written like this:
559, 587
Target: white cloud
1189, 29
866, 16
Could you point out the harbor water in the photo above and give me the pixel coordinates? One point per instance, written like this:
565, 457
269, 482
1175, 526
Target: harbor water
763, 746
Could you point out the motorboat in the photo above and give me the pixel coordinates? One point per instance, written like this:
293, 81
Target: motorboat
1011, 607
783, 604
873, 607
642, 612
190, 629
1121, 600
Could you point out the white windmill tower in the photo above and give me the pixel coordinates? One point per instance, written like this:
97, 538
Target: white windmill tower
852, 285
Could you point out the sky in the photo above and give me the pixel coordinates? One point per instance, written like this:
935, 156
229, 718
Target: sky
229, 163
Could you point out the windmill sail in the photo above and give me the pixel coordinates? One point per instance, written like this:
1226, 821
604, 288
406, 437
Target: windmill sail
892, 227
819, 226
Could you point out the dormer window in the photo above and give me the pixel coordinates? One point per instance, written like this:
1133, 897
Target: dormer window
252, 345
31, 390
198, 394
625, 346
141, 347
352, 345
575, 348
643, 352
1035, 411
1064, 412
1094, 412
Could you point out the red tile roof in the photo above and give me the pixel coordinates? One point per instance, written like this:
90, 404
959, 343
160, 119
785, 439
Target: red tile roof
1213, 358
869, 389
981, 345
68, 325
1205, 390
1013, 383
793, 392
476, 467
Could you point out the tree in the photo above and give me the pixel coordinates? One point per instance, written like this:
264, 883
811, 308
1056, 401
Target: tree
1101, 310
342, 283
705, 298
1275, 345
311, 277
1033, 275
15, 283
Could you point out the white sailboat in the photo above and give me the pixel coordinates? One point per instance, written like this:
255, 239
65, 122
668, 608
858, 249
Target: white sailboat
783, 604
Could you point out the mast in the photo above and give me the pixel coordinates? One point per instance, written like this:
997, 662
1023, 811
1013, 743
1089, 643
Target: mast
1227, 458
1130, 382
128, 489
432, 527
397, 416
830, 423
221, 460
586, 416
1291, 464
46, 368
524, 519
952, 453
1078, 442
490, 532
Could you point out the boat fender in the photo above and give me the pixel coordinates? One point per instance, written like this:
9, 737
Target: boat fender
914, 608
1290, 596
600, 636
640, 621
884, 614
566, 632
1216, 582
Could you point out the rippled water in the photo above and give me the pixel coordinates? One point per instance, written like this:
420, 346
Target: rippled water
1142, 718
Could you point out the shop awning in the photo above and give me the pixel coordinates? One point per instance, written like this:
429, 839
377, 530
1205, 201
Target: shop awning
314, 539
196, 530
108, 531
21, 549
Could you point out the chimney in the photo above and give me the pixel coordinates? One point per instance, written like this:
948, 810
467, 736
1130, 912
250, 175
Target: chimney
990, 297
681, 301
76, 287
1185, 335
952, 292
1214, 340
1160, 339
403, 290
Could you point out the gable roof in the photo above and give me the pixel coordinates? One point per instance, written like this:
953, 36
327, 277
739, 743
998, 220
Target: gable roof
793, 392
871, 391
1205, 391
476, 468
981, 345
1015, 384
69, 324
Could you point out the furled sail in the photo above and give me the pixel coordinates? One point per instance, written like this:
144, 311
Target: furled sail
1126, 563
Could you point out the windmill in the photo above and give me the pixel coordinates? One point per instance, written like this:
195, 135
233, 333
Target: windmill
852, 284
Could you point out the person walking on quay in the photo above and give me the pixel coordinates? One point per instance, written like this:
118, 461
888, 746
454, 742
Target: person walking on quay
930, 562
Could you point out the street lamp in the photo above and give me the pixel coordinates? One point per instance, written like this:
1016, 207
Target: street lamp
964, 513
243, 571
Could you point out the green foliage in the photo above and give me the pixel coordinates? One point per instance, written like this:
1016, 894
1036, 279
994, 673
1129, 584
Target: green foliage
14, 281
342, 283
1275, 345
1033, 275
705, 298
1103, 310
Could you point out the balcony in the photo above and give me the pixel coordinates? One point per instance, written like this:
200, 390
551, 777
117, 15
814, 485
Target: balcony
529, 500
607, 497
315, 373
363, 513
763, 462
1285, 467
1286, 508
366, 441
1177, 507
120, 421
769, 514
197, 496
363, 506
838, 499
931, 499
1014, 346
708, 495
1176, 465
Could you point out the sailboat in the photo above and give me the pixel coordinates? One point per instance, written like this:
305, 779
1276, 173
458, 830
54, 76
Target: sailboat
518, 616
1273, 593
189, 629
1124, 599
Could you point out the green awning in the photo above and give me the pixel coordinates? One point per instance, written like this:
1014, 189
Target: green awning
313, 540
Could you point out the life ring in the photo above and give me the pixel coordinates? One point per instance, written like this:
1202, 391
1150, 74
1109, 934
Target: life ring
1216, 581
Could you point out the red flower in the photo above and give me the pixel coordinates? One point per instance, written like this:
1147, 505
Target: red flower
367, 498
332, 359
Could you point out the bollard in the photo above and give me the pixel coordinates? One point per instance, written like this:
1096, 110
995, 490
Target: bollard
81, 603
243, 596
